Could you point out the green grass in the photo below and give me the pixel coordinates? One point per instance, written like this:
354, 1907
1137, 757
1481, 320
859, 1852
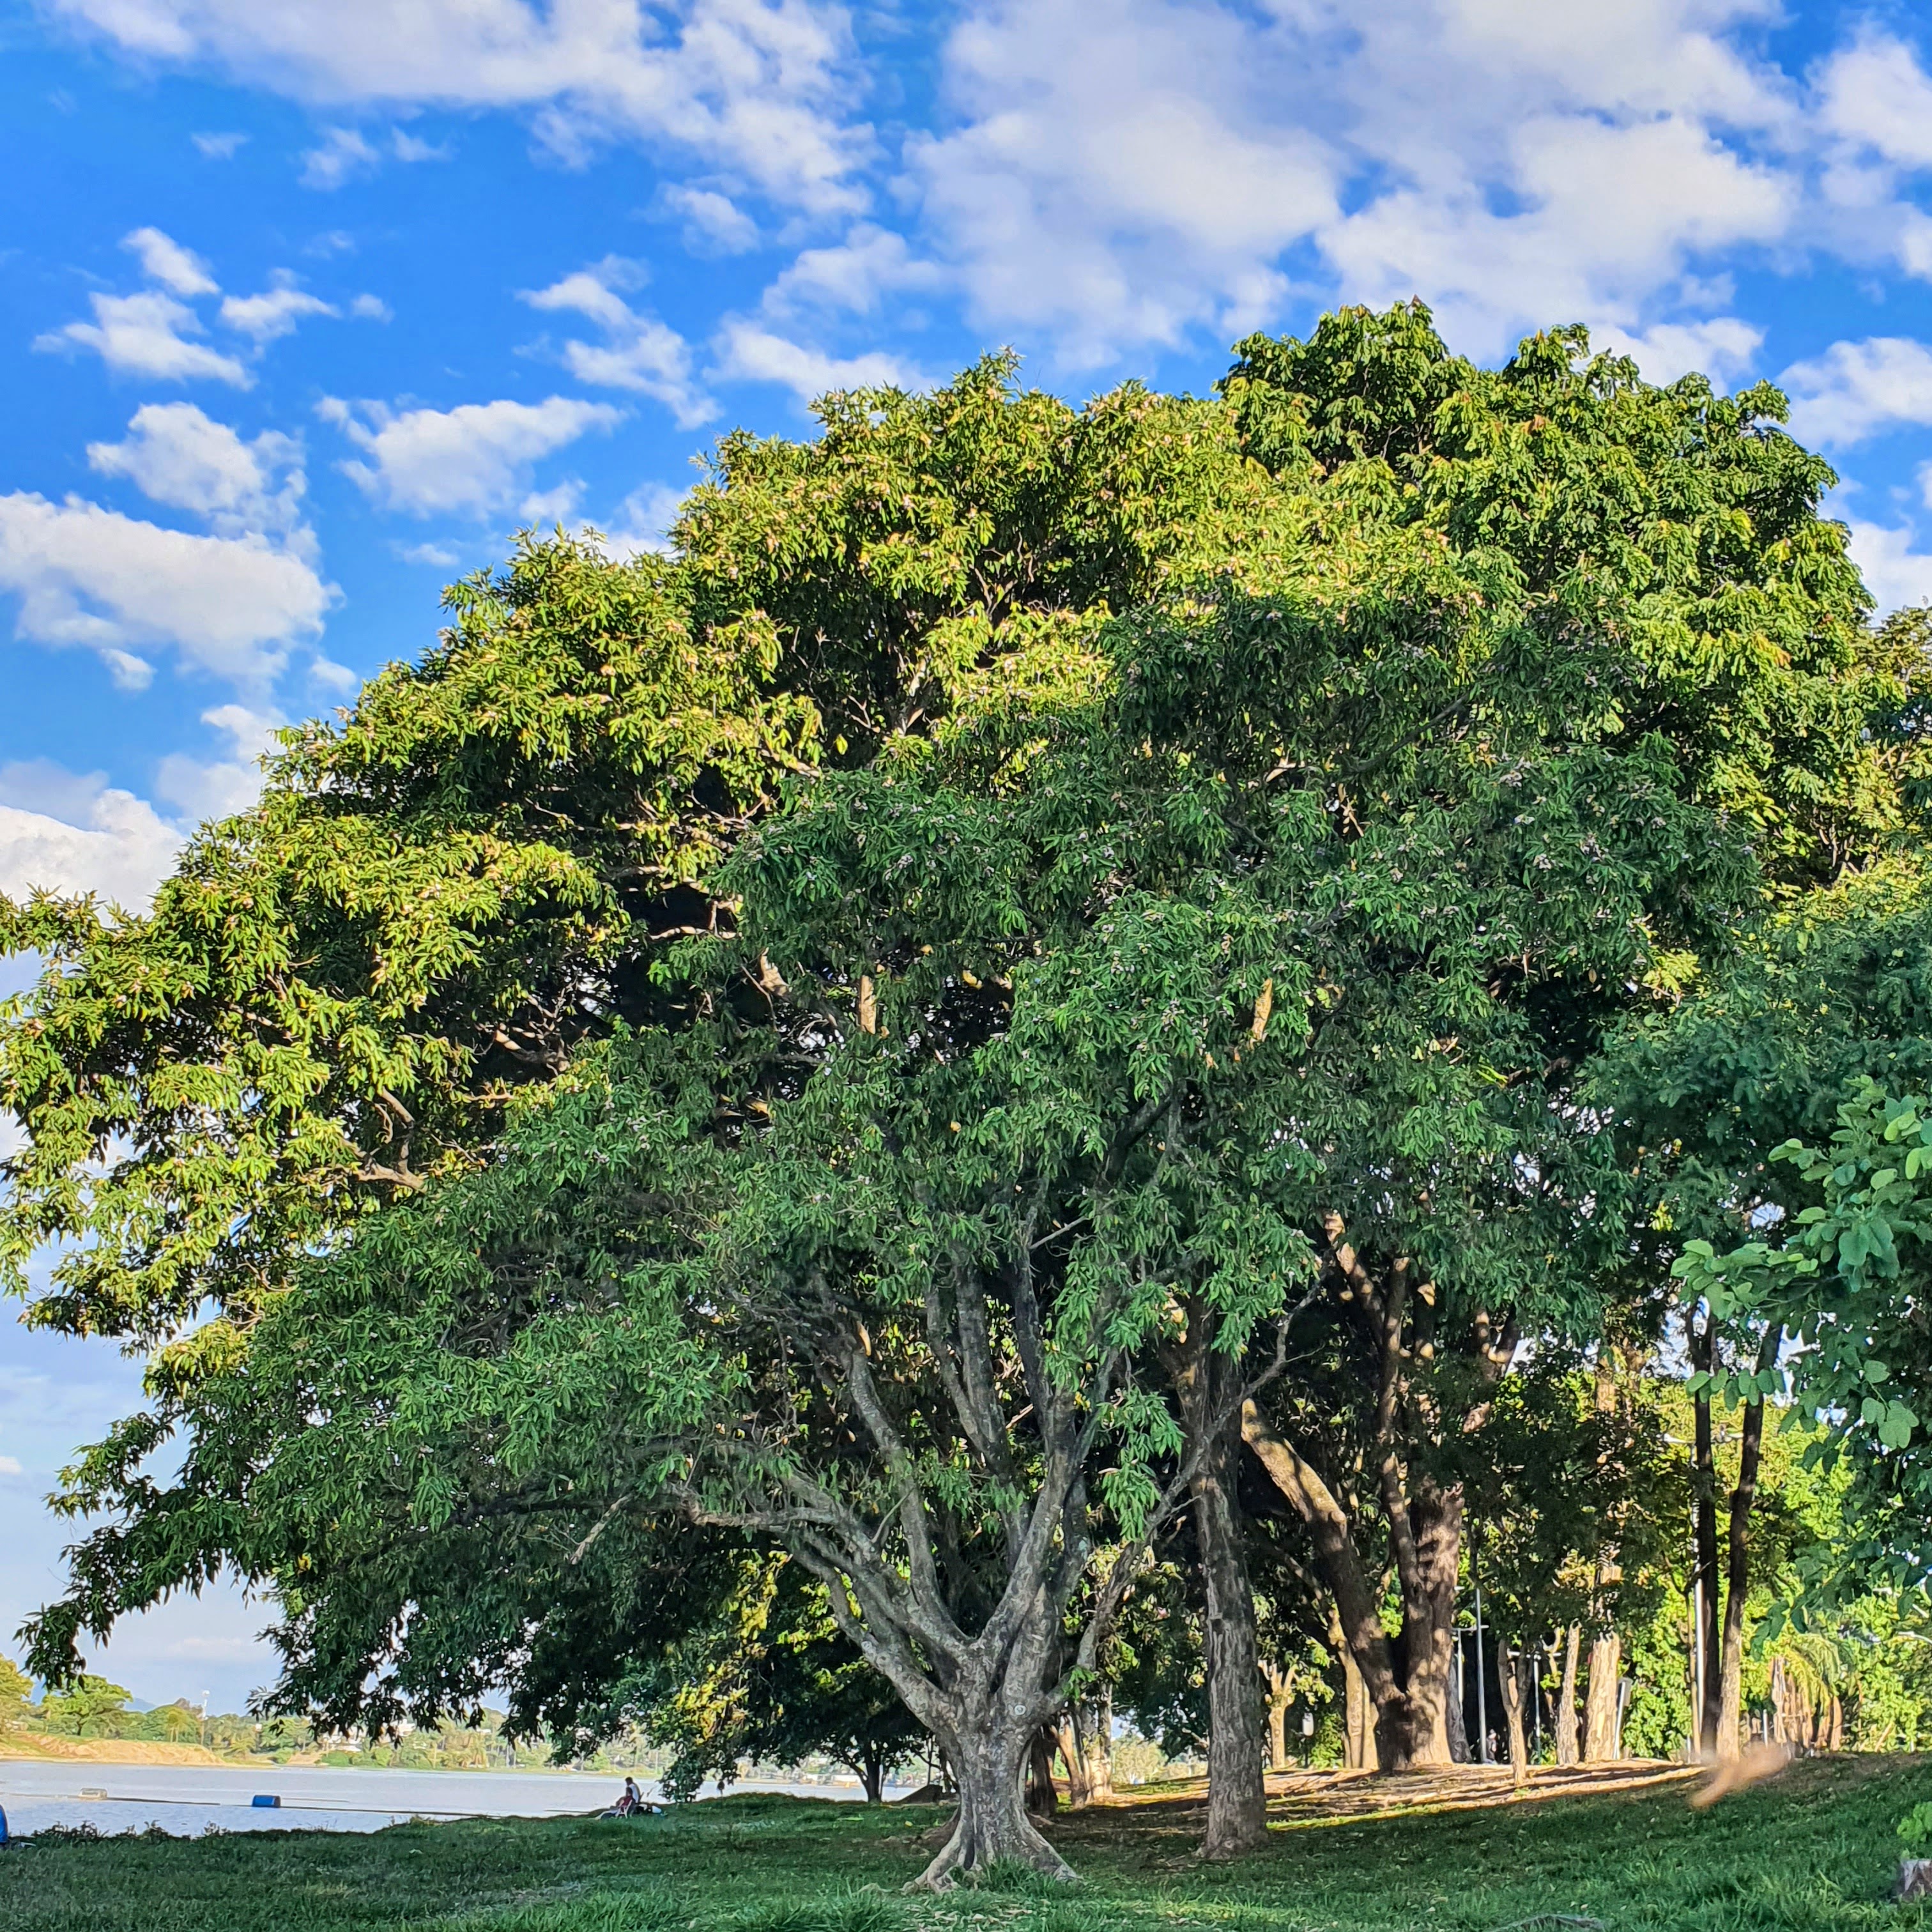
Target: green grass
1813, 1851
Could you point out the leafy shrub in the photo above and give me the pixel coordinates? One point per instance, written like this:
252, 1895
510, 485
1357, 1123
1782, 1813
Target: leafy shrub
1915, 1832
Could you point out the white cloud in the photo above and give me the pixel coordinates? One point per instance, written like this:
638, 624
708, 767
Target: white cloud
713, 223
753, 354
760, 87
1131, 171
639, 352
370, 308
346, 152
214, 789
146, 334
1895, 574
176, 455
1857, 389
870, 262
73, 834
1873, 94
343, 154
1117, 184
1721, 346
542, 507
88, 576
166, 261
219, 147
440, 556
10, 1466
643, 521
407, 147
471, 460
273, 312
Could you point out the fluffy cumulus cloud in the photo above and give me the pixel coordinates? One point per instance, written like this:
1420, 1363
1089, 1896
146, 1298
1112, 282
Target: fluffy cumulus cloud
642, 521
471, 460
748, 351
1190, 166
275, 312
175, 455
85, 575
637, 351
164, 260
1896, 573
149, 333
70, 833
1859, 389
761, 88
213, 788
154, 333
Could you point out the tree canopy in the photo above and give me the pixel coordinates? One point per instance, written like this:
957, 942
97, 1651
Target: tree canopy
1038, 944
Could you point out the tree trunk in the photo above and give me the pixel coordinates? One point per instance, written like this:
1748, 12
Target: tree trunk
1412, 1730
1704, 1478
988, 1758
1458, 1716
872, 1770
1066, 1736
1205, 1384
1513, 1669
1042, 1799
1564, 1717
1358, 1736
1093, 1719
1602, 1740
1280, 1695
1737, 1582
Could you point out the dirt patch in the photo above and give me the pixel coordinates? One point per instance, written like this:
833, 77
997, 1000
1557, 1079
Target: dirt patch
104, 1750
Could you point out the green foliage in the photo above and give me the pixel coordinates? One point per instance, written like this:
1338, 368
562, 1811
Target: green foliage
88, 1703
810, 1009
1915, 1832
1847, 1281
772, 1681
1686, 519
480, 866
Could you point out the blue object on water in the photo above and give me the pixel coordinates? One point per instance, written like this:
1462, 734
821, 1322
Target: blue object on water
264, 1801
3, 1825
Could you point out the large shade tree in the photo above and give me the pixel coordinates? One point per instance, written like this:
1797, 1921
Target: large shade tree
1675, 598
955, 1133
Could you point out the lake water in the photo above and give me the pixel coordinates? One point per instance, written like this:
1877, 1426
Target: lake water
185, 1799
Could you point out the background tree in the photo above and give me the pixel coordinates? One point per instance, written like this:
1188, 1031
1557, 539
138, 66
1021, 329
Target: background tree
86, 1701
1652, 544
774, 1683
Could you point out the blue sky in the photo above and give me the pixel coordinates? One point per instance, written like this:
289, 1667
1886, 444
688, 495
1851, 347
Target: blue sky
308, 304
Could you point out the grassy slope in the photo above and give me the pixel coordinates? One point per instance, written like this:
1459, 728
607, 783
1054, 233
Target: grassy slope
1813, 1850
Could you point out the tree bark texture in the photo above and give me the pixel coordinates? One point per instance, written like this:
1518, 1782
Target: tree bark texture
1093, 1723
988, 1759
1280, 1695
1358, 1714
1737, 1580
1043, 1795
1603, 1741
1207, 1384
1513, 1671
1564, 1717
1406, 1678
1704, 1482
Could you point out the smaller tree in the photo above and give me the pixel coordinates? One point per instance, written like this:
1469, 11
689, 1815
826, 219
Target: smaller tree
88, 1701
1848, 1283
16, 1688
773, 1682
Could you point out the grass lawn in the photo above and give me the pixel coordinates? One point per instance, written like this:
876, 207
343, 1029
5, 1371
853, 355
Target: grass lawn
1812, 1849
